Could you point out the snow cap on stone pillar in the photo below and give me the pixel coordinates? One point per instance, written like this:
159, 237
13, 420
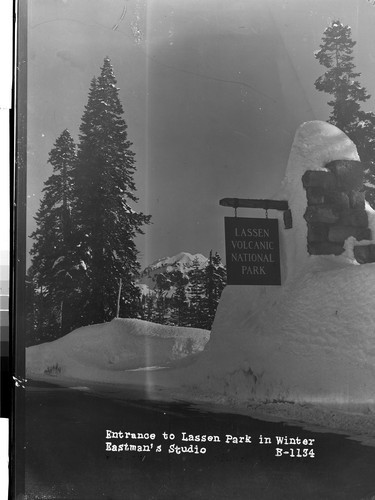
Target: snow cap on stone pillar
316, 143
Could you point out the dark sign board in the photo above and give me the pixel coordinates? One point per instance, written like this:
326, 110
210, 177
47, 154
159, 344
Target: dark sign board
252, 251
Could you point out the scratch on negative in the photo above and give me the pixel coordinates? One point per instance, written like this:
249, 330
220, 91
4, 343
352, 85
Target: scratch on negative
123, 14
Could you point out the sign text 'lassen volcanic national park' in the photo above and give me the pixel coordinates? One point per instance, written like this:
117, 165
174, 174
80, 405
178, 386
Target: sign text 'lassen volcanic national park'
252, 251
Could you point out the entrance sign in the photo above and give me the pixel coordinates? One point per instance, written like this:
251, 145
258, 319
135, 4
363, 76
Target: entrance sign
252, 251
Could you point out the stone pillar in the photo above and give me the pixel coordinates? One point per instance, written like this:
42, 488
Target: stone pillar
336, 208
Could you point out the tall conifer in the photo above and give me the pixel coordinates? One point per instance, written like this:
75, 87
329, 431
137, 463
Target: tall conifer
341, 81
197, 309
105, 190
180, 303
215, 280
54, 264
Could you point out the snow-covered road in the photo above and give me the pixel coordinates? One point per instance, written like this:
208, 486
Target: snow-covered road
67, 455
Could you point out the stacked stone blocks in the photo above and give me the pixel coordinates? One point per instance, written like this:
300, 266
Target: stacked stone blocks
336, 209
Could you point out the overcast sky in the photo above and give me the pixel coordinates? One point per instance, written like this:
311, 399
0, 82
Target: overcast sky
213, 92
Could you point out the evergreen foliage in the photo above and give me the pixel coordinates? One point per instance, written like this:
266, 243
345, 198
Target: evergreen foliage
180, 304
149, 307
55, 265
197, 309
214, 280
84, 240
186, 296
163, 285
340, 80
104, 185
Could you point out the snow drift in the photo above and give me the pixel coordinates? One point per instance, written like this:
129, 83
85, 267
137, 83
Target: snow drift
92, 351
313, 338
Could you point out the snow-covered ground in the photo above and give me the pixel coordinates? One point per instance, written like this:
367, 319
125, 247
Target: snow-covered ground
312, 339
303, 351
102, 352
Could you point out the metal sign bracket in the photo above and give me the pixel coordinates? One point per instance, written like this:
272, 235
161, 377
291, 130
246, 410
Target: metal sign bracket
266, 205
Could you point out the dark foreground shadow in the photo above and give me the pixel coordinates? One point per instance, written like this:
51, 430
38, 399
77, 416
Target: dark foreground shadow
67, 455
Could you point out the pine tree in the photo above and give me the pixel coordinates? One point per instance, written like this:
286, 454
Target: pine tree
162, 287
215, 281
149, 309
180, 303
107, 225
340, 80
54, 265
197, 306
364, 138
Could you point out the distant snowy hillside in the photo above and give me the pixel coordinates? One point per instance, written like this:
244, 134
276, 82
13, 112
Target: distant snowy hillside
183, 290
180, 261
183, 262
97, 351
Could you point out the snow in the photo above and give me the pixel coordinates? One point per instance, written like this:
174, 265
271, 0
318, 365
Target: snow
143, 288
58, 261
281, 349
181, 260
313, 338
315, 144
101, 352
308, 343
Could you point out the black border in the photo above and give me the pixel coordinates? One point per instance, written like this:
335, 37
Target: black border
18, 257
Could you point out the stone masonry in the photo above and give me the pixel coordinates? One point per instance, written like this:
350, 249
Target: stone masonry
336, 210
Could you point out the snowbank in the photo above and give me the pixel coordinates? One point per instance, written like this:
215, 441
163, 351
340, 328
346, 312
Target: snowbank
311, 342
103, 351
315, 144
313, 338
